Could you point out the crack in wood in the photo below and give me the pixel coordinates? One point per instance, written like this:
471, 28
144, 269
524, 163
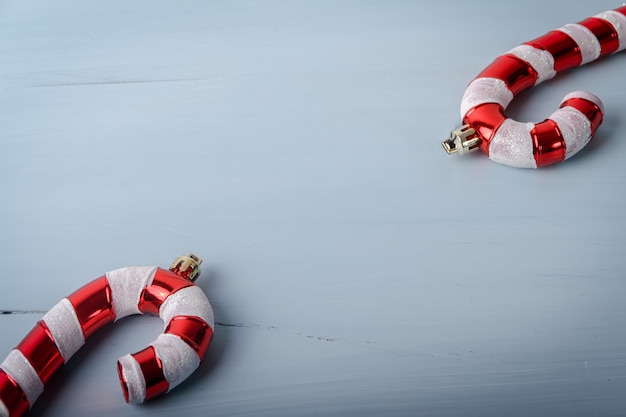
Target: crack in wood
7, 312
242, 325
217, 323
116, 82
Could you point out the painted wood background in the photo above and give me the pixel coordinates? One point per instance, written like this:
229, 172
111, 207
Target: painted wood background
354, 268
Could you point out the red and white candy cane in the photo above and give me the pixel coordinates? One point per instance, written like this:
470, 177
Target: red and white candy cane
567, 130
168, 361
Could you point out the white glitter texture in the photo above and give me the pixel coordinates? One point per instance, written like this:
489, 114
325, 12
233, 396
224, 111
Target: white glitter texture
178, 358
126, 286
541, 61
65, 328
485, 90
618, 21
512, 145
4, 412
586, 40
575, 128
24, 374
587, 96
135, 382
189, 301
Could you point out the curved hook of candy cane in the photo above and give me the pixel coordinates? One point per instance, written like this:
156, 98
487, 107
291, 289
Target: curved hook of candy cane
165, 363
567, 130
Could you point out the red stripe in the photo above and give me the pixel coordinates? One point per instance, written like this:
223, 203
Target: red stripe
152, 370
485, 119
43, 354
589, 109
194, 331
164, 284
123, 381
94, 305
563, 48
548, 143
13, 396
605, 32
621, 10
515, 72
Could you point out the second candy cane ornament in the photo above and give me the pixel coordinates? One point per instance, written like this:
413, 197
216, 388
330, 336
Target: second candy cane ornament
169, 360
567, 130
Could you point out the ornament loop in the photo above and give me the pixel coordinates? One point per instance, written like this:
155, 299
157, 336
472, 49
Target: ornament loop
187, 266
462, 140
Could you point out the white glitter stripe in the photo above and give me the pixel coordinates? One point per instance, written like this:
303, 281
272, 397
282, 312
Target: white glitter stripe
575, 129
485, 90
178, 358
4, 412
126, 286
24, 374
189, 301
65, 328
618, 21
585, 39
512, 145
542, 61
135, 381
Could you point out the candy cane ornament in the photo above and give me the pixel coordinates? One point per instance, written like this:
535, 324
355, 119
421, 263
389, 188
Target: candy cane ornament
567, 130
168, 361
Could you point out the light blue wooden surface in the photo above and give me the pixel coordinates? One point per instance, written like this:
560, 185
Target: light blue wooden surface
354, 268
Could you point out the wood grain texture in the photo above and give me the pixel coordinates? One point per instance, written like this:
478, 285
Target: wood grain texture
354, 268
